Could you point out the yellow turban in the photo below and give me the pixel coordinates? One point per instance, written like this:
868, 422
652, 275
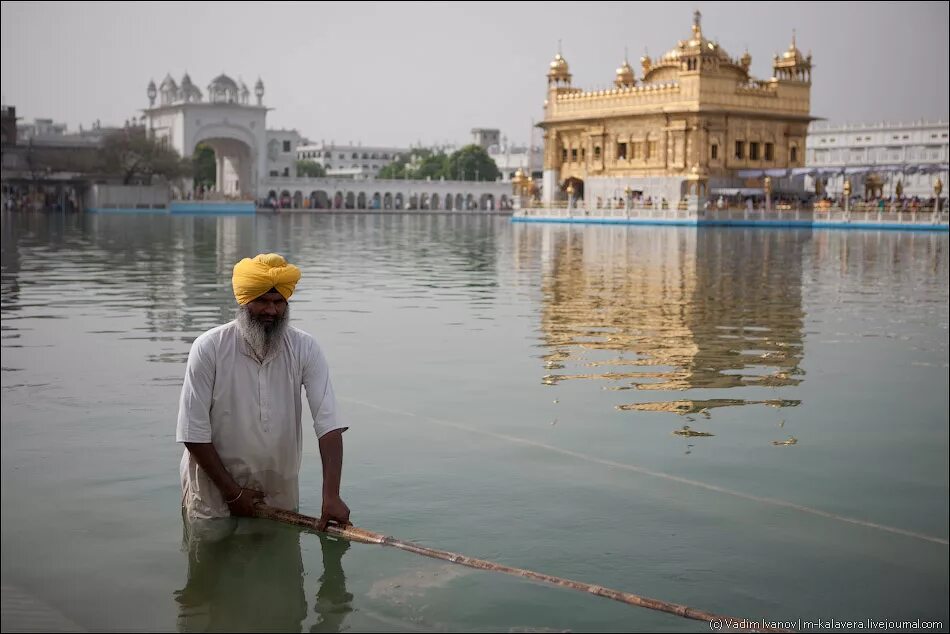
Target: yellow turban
254, 277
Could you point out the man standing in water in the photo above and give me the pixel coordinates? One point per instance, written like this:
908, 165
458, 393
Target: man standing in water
240, 411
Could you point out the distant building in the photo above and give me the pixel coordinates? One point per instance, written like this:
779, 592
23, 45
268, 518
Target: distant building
226, 119
875, 157
43, 167
350, 161
282, 152
508, 158
486, 137
511, 158
9, 125
39, 128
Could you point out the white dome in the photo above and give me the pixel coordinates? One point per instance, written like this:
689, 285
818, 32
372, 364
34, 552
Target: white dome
189, 92
169, 90
169, 84
223, 88
224, 82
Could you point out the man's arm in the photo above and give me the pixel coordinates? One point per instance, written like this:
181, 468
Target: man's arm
239, 500
316, 380
331, 454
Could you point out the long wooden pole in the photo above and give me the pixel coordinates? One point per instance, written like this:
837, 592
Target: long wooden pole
369, 537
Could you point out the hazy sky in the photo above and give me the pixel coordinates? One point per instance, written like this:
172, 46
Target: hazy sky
397, 73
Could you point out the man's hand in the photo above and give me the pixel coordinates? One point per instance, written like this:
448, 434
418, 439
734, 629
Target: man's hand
243, 500
335, 510
244, 505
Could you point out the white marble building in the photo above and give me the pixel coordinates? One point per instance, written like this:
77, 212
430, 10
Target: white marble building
379, 194
875, 157
226, 121
255, 163
350, 161
283, 152
510, 159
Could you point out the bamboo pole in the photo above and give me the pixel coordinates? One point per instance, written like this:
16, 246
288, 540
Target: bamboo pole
369, 537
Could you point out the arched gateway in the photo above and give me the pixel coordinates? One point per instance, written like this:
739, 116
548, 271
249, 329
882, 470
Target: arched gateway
225, 121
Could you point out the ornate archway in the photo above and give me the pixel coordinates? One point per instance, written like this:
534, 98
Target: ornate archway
235, 159
577, 188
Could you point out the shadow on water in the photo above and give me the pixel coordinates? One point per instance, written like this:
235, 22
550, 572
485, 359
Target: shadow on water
248, 575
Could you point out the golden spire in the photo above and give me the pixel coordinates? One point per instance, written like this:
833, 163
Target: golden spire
559, 71
645, 62
625, 77
793, 53
792, 65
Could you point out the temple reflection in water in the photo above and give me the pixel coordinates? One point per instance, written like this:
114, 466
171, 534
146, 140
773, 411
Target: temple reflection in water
673, 310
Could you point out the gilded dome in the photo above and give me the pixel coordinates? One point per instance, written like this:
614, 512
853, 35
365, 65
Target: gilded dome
559, 70
792, 65
696, 45
793, 54
625, 76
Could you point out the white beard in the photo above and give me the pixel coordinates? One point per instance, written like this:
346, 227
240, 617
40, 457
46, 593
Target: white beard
262, 338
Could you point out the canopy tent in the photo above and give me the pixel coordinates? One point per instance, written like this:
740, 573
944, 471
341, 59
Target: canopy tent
737, 191
812, 170
773, 173
906, 168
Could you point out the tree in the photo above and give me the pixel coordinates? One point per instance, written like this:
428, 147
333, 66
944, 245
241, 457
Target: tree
395, 170
471, 163
420, 163
430, 166
205, 169
134, 156
311, 169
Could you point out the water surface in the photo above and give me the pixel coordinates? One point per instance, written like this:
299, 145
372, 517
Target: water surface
513, 392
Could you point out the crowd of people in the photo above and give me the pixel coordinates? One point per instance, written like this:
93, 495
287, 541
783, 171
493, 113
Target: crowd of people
39, 199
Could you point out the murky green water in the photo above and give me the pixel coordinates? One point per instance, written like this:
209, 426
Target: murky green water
513, 393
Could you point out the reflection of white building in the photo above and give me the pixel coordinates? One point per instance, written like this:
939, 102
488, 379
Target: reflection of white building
875, 157
350, 161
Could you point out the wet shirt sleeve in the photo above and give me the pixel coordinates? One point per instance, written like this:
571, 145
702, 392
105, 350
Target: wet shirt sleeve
316, 381
194, 408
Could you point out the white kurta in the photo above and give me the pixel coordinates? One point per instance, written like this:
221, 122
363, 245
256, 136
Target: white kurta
251, 412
